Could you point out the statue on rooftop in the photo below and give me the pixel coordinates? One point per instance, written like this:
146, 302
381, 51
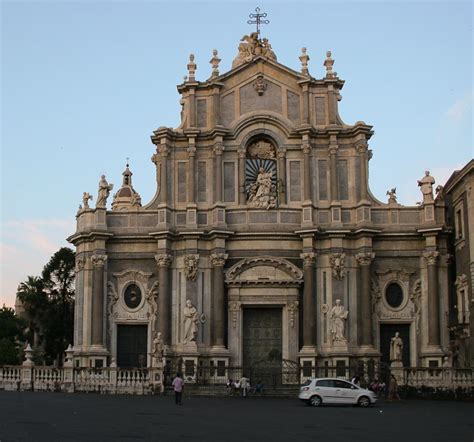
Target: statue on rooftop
426, 187
104, 192
251, 46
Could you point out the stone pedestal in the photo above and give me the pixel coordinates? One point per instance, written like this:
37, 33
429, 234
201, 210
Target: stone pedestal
396, 368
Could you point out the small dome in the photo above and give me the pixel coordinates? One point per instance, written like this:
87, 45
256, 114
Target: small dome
126, 197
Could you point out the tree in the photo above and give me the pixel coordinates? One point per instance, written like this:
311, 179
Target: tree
11, 336
58, 277
49, 305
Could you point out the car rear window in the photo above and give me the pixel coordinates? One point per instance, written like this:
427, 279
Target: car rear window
306, 383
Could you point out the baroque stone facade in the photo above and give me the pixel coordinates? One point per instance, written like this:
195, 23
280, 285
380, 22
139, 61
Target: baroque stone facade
263, 240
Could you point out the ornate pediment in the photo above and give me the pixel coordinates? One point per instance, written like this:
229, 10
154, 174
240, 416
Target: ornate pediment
264, 270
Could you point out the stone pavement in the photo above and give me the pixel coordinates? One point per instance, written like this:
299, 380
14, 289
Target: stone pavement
26, 416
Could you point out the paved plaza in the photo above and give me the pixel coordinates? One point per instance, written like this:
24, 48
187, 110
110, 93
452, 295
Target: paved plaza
26, 416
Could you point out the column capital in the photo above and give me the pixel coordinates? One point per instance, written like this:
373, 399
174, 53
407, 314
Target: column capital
364, 258
306, 148
98, 260
308, 258
333, 148
218, 259
431, 257
281, 153
163, 150
241, 152
191, 150
79, 264
163, 260
218, 148
362, 147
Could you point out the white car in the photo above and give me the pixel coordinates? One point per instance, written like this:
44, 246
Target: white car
316, 392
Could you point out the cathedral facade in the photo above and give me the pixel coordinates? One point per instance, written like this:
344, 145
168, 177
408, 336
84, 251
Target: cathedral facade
263, 241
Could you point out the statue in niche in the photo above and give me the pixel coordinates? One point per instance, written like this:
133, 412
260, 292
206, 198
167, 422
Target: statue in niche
262, 192
104, 192
426, 187
190, 322
338, 317
396, 348
191, 267
337, 261
261, 149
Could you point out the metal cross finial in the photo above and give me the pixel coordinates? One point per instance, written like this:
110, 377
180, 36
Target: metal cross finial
258, 19
128, 161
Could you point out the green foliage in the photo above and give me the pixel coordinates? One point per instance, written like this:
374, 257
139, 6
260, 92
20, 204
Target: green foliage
49, 305
11, 336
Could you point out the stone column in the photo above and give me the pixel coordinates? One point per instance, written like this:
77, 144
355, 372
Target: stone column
218, 309
164, 171
309, 304
164, 297
307, 171
333, 170
191, 171
363, 153
433, 298
218, 150
282, 174
79, 302
98, 261
242, 193
364, 305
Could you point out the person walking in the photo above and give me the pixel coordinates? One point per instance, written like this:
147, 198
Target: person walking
178, 386
393, 389
244, 385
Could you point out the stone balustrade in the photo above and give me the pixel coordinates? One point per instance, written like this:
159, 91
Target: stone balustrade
113, 380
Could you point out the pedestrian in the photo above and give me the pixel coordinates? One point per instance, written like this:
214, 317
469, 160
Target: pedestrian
259, 388
244, 385
356, 380
178, 386
393, 389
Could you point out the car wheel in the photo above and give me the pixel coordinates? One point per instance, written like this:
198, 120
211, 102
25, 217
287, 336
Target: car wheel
363, 401
315, 401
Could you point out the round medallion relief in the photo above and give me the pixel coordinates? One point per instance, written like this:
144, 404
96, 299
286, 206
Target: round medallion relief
394, 295
132, 296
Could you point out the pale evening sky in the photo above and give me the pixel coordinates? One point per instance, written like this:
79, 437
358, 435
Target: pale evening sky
84, 84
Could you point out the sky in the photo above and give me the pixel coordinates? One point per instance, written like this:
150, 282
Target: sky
84, 84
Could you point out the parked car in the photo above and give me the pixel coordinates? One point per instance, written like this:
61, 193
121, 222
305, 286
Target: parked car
316, 392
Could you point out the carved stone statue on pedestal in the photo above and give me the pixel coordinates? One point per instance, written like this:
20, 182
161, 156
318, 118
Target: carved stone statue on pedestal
104, 192
190, 322
396, 348
426, 187
338, 317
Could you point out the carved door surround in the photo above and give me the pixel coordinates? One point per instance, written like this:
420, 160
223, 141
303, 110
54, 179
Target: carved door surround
118, 312
263, 281
407, 312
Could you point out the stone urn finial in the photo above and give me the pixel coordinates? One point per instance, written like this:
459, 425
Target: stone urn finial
28, 356
329, 63
191, 68
215, 60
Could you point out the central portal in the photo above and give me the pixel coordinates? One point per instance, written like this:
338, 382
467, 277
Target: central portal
262, 336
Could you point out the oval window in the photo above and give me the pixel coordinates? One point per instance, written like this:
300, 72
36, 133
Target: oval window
394, 295
132, 296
